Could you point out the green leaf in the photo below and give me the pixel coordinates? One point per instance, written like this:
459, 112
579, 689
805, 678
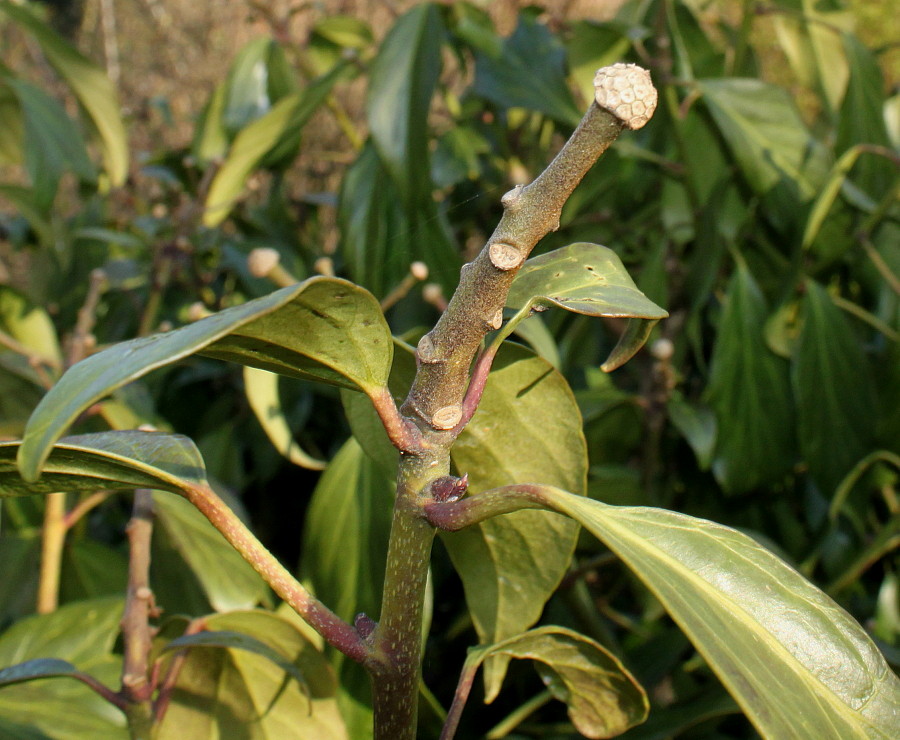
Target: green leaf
261, 388
278, 128
836, 408
798, 664
130, 459
256, 81
90, 85
24, 201
402, 80
588, 279
527, 428
593, 45
528, 73
52, 143
82, 634
237, 641
862, 118
237, 692
749, 391
227, 580
766, 135
36, 668
210, 137
583, 278
324, 329
31, 327
811, 41
346, 533
603, 698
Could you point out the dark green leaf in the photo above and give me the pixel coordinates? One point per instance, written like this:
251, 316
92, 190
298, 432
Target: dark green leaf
749, 390
862, 119
834, 390
53, 143
603, 698
82, 634
528, 73
90, 85
527, 428
324, 329
36, 668
89, 462
592, 45
401, 83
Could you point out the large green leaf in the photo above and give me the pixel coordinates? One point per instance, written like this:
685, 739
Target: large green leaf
527, 428
81, 634
798, 664
529, 72
128, 459
228, 581
834, 390
603, 698
236, 693
749, 390
323, 329
766, 135
90, 85
279, 128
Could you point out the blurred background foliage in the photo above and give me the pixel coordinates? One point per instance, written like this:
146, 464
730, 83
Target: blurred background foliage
759, 206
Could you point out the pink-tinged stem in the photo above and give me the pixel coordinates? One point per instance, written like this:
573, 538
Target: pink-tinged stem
404, 434
336, 632
463, 689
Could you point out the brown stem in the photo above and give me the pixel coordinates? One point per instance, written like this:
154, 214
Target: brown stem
336, 632
136, 631
461, 695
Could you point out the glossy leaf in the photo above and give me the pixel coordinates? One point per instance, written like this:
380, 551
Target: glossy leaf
798, 664
749, 391
216, 686
588, 279
227, 580
833, 386
603, 698
584, 278
279, 127
83, 635
324, 329
766, 135
261, 388
94, 90
527, 428
528, 73
256, 82
36, 668
88, 462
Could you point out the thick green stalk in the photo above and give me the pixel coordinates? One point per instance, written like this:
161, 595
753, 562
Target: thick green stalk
437, 403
